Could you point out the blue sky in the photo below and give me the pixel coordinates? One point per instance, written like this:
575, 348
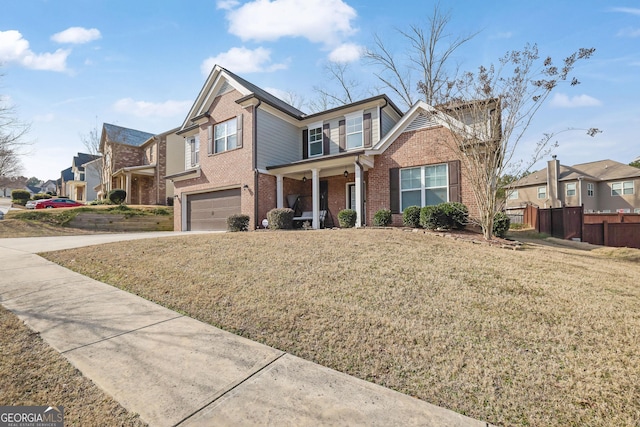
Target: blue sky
70, 65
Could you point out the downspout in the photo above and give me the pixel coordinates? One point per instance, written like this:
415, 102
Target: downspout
362, 195
254, 145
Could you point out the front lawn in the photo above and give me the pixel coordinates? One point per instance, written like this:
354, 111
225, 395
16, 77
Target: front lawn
539, 336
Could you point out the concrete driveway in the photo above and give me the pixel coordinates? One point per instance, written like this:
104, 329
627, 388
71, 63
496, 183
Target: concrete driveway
174, 370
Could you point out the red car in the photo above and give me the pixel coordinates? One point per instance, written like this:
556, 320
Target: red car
57, 203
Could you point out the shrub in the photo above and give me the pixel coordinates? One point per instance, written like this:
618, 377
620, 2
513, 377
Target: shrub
382, 218
170, 201
411, 216
40, 196
457, 215
20, 196
117, 196
347, 218
501, 223
280, 218
431, 217
238, 222
99, 202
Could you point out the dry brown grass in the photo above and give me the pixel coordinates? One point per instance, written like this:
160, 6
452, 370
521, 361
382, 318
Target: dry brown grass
541, 336
32, 373
21, 228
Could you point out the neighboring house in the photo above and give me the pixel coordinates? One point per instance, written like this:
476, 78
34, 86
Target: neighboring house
49, 187
32, 189
246, 151
134, 161
85, 177
65, 177
602, 186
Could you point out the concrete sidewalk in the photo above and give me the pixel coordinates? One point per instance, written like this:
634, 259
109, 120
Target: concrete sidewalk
174, 370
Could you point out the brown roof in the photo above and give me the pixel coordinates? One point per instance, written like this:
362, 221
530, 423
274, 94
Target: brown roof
602, 170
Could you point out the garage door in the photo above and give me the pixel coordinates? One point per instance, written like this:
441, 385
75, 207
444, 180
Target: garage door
209, 211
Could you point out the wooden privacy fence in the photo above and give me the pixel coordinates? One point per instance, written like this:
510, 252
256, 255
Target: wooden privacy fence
570, 222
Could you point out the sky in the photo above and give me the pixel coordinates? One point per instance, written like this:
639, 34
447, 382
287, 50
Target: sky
70, 65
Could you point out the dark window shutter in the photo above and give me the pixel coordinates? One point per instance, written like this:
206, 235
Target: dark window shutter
239, 134
366, 124
210, 140
394, 190
342, 131
325, 139
305, 144
192, 143
455, 193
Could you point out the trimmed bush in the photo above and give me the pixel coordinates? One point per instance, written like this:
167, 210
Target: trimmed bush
411, 216
382, 218
41, 196
117, 196
456, 213
501, 223
431, 217
238, 222
347, 218
20, 197
280, 218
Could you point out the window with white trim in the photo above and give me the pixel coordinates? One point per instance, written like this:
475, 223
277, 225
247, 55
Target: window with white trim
424, 186
542, 192
315, 140
513, 194
622, 188
193, 143
225, 136
591, 189
571, 189
354, 131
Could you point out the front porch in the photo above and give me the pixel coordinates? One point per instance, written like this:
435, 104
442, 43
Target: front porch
139, 183
330, 184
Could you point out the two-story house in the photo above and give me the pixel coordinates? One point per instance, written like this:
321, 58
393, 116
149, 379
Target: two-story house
602, 186
246, 151
134, 161
86, 175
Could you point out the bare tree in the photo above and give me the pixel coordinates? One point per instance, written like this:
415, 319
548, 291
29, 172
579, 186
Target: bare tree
427, 58
294, 99
348, 88
12, 139
489, 112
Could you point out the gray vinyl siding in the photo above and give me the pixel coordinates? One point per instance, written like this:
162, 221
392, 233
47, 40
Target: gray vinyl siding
334, 144
278, 142
387, 123
375, 125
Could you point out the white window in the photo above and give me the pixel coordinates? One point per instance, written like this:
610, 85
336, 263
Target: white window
354, 130
513, 194
636, 210
620, 188
571, 189
226, 136
542, 192
315, 140
194, 148
591, 191
424, 186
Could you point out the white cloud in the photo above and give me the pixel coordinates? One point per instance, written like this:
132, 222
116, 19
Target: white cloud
278, 93
242, 60
227, 4
15, 49
77, 35
346, 52
560, 100
148, 109
319, 21
629, 32
629, 10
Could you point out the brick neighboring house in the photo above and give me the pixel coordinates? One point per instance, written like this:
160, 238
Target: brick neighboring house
86, 175
246, 151
134, 161
601, 186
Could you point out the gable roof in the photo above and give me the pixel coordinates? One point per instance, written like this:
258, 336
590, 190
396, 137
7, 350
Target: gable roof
83, 158
601, 170
67, 174
127, 136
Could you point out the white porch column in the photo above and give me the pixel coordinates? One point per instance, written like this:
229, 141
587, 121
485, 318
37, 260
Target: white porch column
359, 204
128, 189
279, 192
315, 191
